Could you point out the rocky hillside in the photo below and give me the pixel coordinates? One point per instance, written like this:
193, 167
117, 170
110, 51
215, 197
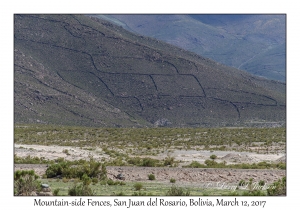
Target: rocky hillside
77, 70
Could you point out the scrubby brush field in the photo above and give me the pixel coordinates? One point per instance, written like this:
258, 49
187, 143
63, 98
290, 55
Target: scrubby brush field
192, 157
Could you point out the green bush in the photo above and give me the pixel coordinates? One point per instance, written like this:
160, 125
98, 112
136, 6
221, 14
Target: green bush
95, 180
196, 164
86, 180
264, 164
31, 160
172, 180
55, 170
136, 161
210, 163
277, 188
55, 192
281, 166
103, 182
77, 169
261, 183
246, 193
177, 191
138, 186
25, 182
149, 162
242, 183
214, 164
139, 193
110, 182
151, 177
213, 157
253, 193
66, 152
169, 161
81, 190
234, 193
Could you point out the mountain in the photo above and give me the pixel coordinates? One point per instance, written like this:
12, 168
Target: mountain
255, 43
80, 70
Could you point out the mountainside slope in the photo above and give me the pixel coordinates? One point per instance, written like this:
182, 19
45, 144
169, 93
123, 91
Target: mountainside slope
248, 42
76, 70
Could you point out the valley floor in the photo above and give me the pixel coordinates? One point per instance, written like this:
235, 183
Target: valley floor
183, 176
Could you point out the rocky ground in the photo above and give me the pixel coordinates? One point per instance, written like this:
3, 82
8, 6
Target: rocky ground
183, 156
183, 176
196, 175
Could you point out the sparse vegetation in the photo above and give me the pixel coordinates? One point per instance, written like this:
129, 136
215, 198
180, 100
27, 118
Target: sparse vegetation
138, 139
31, 160
214, 164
